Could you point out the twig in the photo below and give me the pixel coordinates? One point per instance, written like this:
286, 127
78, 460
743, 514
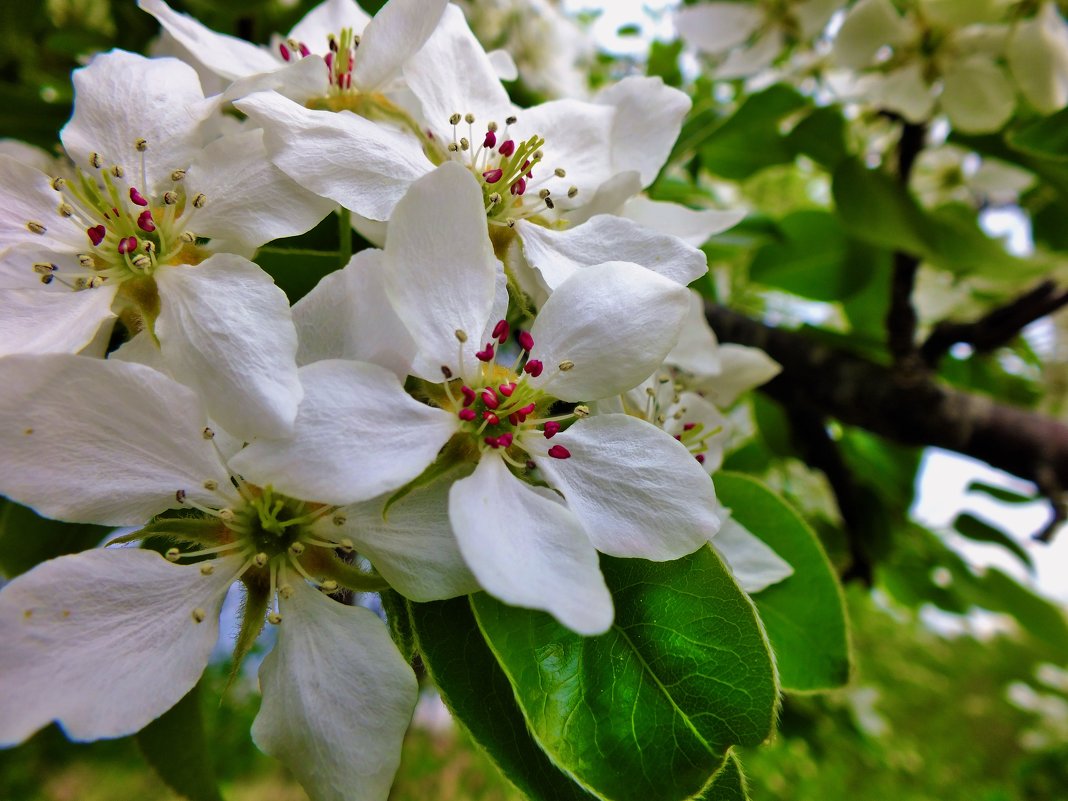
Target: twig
901, 317
996, 328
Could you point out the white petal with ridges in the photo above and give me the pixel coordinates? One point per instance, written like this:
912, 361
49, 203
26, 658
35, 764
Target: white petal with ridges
226, 330
226, 56
615, 322
361, 165
26, 195
741, 369
348, 316
112, 94
249, 200
329, 17
38, 320
697, 350
440, 269
527, 549
558, 254
755, 565
636, 489
357, 435
648, 118
104, 641
397, 31
717, 27
692, 226
99, 441
412, 545
337, 698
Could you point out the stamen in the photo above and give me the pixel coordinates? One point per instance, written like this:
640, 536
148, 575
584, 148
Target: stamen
559, 452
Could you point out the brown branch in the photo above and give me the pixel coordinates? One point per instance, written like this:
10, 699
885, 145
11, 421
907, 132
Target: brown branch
996, 328
901, 317
919, 411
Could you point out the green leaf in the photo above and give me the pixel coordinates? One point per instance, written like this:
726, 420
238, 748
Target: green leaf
27, 539
649, 709
811, 259
727, 785
1042, 619
876, 209
750, 140
978, 530
399, 621
1046, 138
296, 271
1000, 493
804, 615
821, 136
478, 694
174, 744
664, 62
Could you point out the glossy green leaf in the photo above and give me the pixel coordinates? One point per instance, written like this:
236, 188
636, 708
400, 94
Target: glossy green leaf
27, 539
821, 136
811, 259
176, 747
979, 530
647, 711
296, 271
750, 140
876, 209
727, 785
478, 694
1046, 138
805, 614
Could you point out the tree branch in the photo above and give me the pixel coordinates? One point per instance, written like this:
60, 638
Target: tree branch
917, 411
996, 328
901, 317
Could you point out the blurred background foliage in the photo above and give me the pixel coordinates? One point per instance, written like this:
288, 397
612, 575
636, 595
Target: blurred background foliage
978, 712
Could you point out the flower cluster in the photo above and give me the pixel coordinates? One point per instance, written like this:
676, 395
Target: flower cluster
517, 380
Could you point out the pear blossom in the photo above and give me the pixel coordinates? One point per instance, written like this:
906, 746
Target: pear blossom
152, 226
337, 57
507, 409
749, 37
1037, 53
107, 640
943, 55
534, 166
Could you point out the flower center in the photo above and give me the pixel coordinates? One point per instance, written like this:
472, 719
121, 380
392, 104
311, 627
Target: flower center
505, 171
663, 408
129, 233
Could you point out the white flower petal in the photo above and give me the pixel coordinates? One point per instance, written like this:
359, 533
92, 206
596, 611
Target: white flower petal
348, 316
249, 200
697, 350
557, 255
397, 31
609, 198
977, 95
38, 320
440, 269
32, 156
113, 93
226, 56
742, 368
358, 434
337, 698
813, 15
452, 74
692, 226
527, 549
717, 27
616, 322
363, 166
636, 489
647, 121
503, 64
1037, 53
327, 18
747, 62
413, 547
103, 641
755, 565
100, 441
26, 196
301, 80
869, 25
225, 329
903, 90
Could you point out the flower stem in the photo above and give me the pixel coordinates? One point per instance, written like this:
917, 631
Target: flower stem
344, 234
